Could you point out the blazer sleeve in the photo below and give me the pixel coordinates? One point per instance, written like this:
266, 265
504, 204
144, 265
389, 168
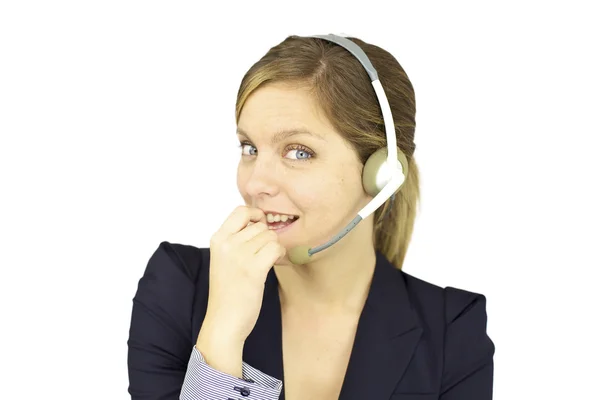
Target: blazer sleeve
468, 350
160, 365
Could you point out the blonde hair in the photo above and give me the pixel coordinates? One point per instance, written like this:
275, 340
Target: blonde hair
341, 87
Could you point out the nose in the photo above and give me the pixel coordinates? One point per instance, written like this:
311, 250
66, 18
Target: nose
261, 177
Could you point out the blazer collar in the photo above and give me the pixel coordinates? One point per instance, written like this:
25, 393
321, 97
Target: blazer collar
387, 334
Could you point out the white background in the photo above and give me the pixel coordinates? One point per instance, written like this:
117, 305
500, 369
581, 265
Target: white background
114, 114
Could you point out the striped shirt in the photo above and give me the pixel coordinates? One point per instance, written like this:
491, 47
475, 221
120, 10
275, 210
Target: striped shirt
202, 382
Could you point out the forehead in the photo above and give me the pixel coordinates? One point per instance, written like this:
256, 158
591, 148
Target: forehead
276, 107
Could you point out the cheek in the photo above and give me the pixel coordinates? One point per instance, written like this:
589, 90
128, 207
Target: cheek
242, 174
324, 194
241, 180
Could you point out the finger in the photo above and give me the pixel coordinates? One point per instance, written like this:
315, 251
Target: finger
269, 254
253, 245
250, 232
239, 219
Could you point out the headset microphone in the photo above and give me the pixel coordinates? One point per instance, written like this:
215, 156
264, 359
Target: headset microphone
385, 170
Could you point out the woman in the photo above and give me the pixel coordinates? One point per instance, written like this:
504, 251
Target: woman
244, 318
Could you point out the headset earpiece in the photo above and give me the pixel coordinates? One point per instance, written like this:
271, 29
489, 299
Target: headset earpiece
376, 173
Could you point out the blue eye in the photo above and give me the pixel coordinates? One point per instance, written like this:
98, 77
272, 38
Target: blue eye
304, 153
307, 154
243, 144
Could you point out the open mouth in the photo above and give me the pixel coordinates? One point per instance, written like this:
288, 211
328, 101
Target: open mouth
276, 222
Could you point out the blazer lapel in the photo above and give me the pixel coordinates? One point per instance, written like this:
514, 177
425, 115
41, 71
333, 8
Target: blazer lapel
386, 336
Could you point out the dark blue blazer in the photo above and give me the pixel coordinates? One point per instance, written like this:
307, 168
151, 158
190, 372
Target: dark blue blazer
414, 340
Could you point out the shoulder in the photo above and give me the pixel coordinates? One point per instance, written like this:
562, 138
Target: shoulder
176, 260
452, 303
458, 317
163, 303
171, 278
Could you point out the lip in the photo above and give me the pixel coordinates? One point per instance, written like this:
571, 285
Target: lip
285, 228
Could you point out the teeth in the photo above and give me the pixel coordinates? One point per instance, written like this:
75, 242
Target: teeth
277, 218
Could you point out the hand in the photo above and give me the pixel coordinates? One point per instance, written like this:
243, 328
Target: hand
242, 252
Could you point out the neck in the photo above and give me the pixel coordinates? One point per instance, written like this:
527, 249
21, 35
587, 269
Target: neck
338, 281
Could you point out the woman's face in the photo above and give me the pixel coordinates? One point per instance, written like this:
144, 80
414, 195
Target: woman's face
316, 177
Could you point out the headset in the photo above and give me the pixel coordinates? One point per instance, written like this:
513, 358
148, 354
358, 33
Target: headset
384, 171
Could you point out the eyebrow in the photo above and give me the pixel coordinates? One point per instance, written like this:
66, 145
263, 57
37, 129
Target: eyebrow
284, 134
